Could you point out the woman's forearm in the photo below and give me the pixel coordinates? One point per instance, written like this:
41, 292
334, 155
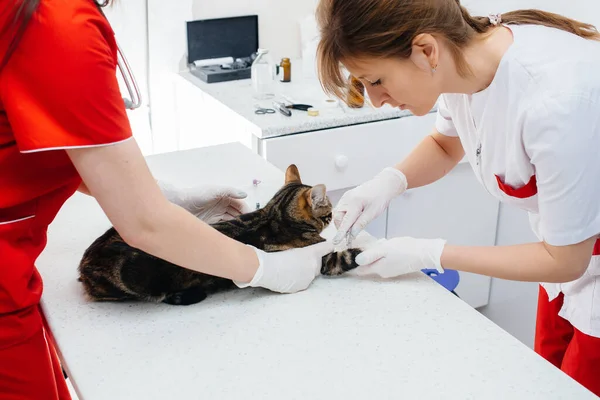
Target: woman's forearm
431, 160
164, 238
532, 262
177, 236
118, 177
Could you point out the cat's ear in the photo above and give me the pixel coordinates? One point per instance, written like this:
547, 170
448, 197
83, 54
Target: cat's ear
318, 197
292, 174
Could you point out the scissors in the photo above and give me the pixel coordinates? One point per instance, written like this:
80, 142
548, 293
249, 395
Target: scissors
261, 111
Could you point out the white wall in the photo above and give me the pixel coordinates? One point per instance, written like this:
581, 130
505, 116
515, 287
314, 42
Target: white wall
277, 19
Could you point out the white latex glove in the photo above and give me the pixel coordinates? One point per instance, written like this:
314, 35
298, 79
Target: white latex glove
398, 256
210, 203
288, 271
361, 205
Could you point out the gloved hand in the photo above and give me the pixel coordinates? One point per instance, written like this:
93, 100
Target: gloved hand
288, 271
210, 203
361, 205
389, 258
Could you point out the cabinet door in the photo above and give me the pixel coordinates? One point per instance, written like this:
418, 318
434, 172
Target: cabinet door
456, 208
513, 304
513, 226
347, 156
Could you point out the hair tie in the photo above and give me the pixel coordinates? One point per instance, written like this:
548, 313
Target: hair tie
495, 19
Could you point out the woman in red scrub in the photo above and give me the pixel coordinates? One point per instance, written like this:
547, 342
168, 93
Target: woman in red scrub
63, 127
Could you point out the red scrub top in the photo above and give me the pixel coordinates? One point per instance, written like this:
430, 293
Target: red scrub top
58, 91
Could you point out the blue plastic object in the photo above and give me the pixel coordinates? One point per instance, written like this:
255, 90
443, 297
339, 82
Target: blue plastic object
449, 279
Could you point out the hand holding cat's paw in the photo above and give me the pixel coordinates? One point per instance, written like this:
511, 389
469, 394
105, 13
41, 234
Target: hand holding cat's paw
289, 271
398, 256
361, 205
210, 203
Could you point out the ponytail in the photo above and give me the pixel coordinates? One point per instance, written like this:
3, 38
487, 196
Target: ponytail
532, 17
478, 24
551, 20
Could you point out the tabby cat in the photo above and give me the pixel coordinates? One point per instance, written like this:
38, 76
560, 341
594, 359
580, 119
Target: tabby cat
111, 270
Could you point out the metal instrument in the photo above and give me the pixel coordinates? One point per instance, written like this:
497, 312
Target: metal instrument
261, 111
135, 97
282, 108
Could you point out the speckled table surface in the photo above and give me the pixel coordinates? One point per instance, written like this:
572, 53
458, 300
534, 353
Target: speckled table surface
344, 338
238, 96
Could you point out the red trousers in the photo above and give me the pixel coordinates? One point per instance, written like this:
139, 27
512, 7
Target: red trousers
30, 370
574, 352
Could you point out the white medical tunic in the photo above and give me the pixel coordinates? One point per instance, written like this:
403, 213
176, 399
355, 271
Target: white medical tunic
533, 140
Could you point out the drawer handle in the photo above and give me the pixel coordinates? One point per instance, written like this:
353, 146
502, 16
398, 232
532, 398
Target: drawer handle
341, 162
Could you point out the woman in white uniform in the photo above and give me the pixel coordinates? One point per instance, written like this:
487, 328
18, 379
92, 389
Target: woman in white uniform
519, 95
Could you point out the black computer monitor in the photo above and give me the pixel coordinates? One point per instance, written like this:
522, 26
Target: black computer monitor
235, 37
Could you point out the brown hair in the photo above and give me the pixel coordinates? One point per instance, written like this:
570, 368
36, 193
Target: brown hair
22, 13
386, 29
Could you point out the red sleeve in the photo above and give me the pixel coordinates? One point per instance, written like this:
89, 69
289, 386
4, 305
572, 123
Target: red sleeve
59, 89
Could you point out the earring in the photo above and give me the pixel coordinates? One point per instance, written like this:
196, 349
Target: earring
433, 69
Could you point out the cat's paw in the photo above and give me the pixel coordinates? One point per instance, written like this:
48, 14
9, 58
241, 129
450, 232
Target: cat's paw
338, 262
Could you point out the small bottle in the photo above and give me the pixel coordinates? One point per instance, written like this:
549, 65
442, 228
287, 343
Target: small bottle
286, 66
356, 93
263, 77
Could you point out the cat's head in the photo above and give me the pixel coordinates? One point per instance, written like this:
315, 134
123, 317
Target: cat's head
304, 205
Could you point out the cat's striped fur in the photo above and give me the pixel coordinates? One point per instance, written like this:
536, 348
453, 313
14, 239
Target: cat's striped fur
111, 270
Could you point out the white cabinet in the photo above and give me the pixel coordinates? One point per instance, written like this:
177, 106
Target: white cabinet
513, 226
455, 208
347, 156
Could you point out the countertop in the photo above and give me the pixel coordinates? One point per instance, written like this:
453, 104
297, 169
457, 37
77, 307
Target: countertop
344, 338
238, 96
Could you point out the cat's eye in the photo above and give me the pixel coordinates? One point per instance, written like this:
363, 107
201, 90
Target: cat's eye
326, 218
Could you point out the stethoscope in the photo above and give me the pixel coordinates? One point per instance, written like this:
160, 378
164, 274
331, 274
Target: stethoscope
135, 98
